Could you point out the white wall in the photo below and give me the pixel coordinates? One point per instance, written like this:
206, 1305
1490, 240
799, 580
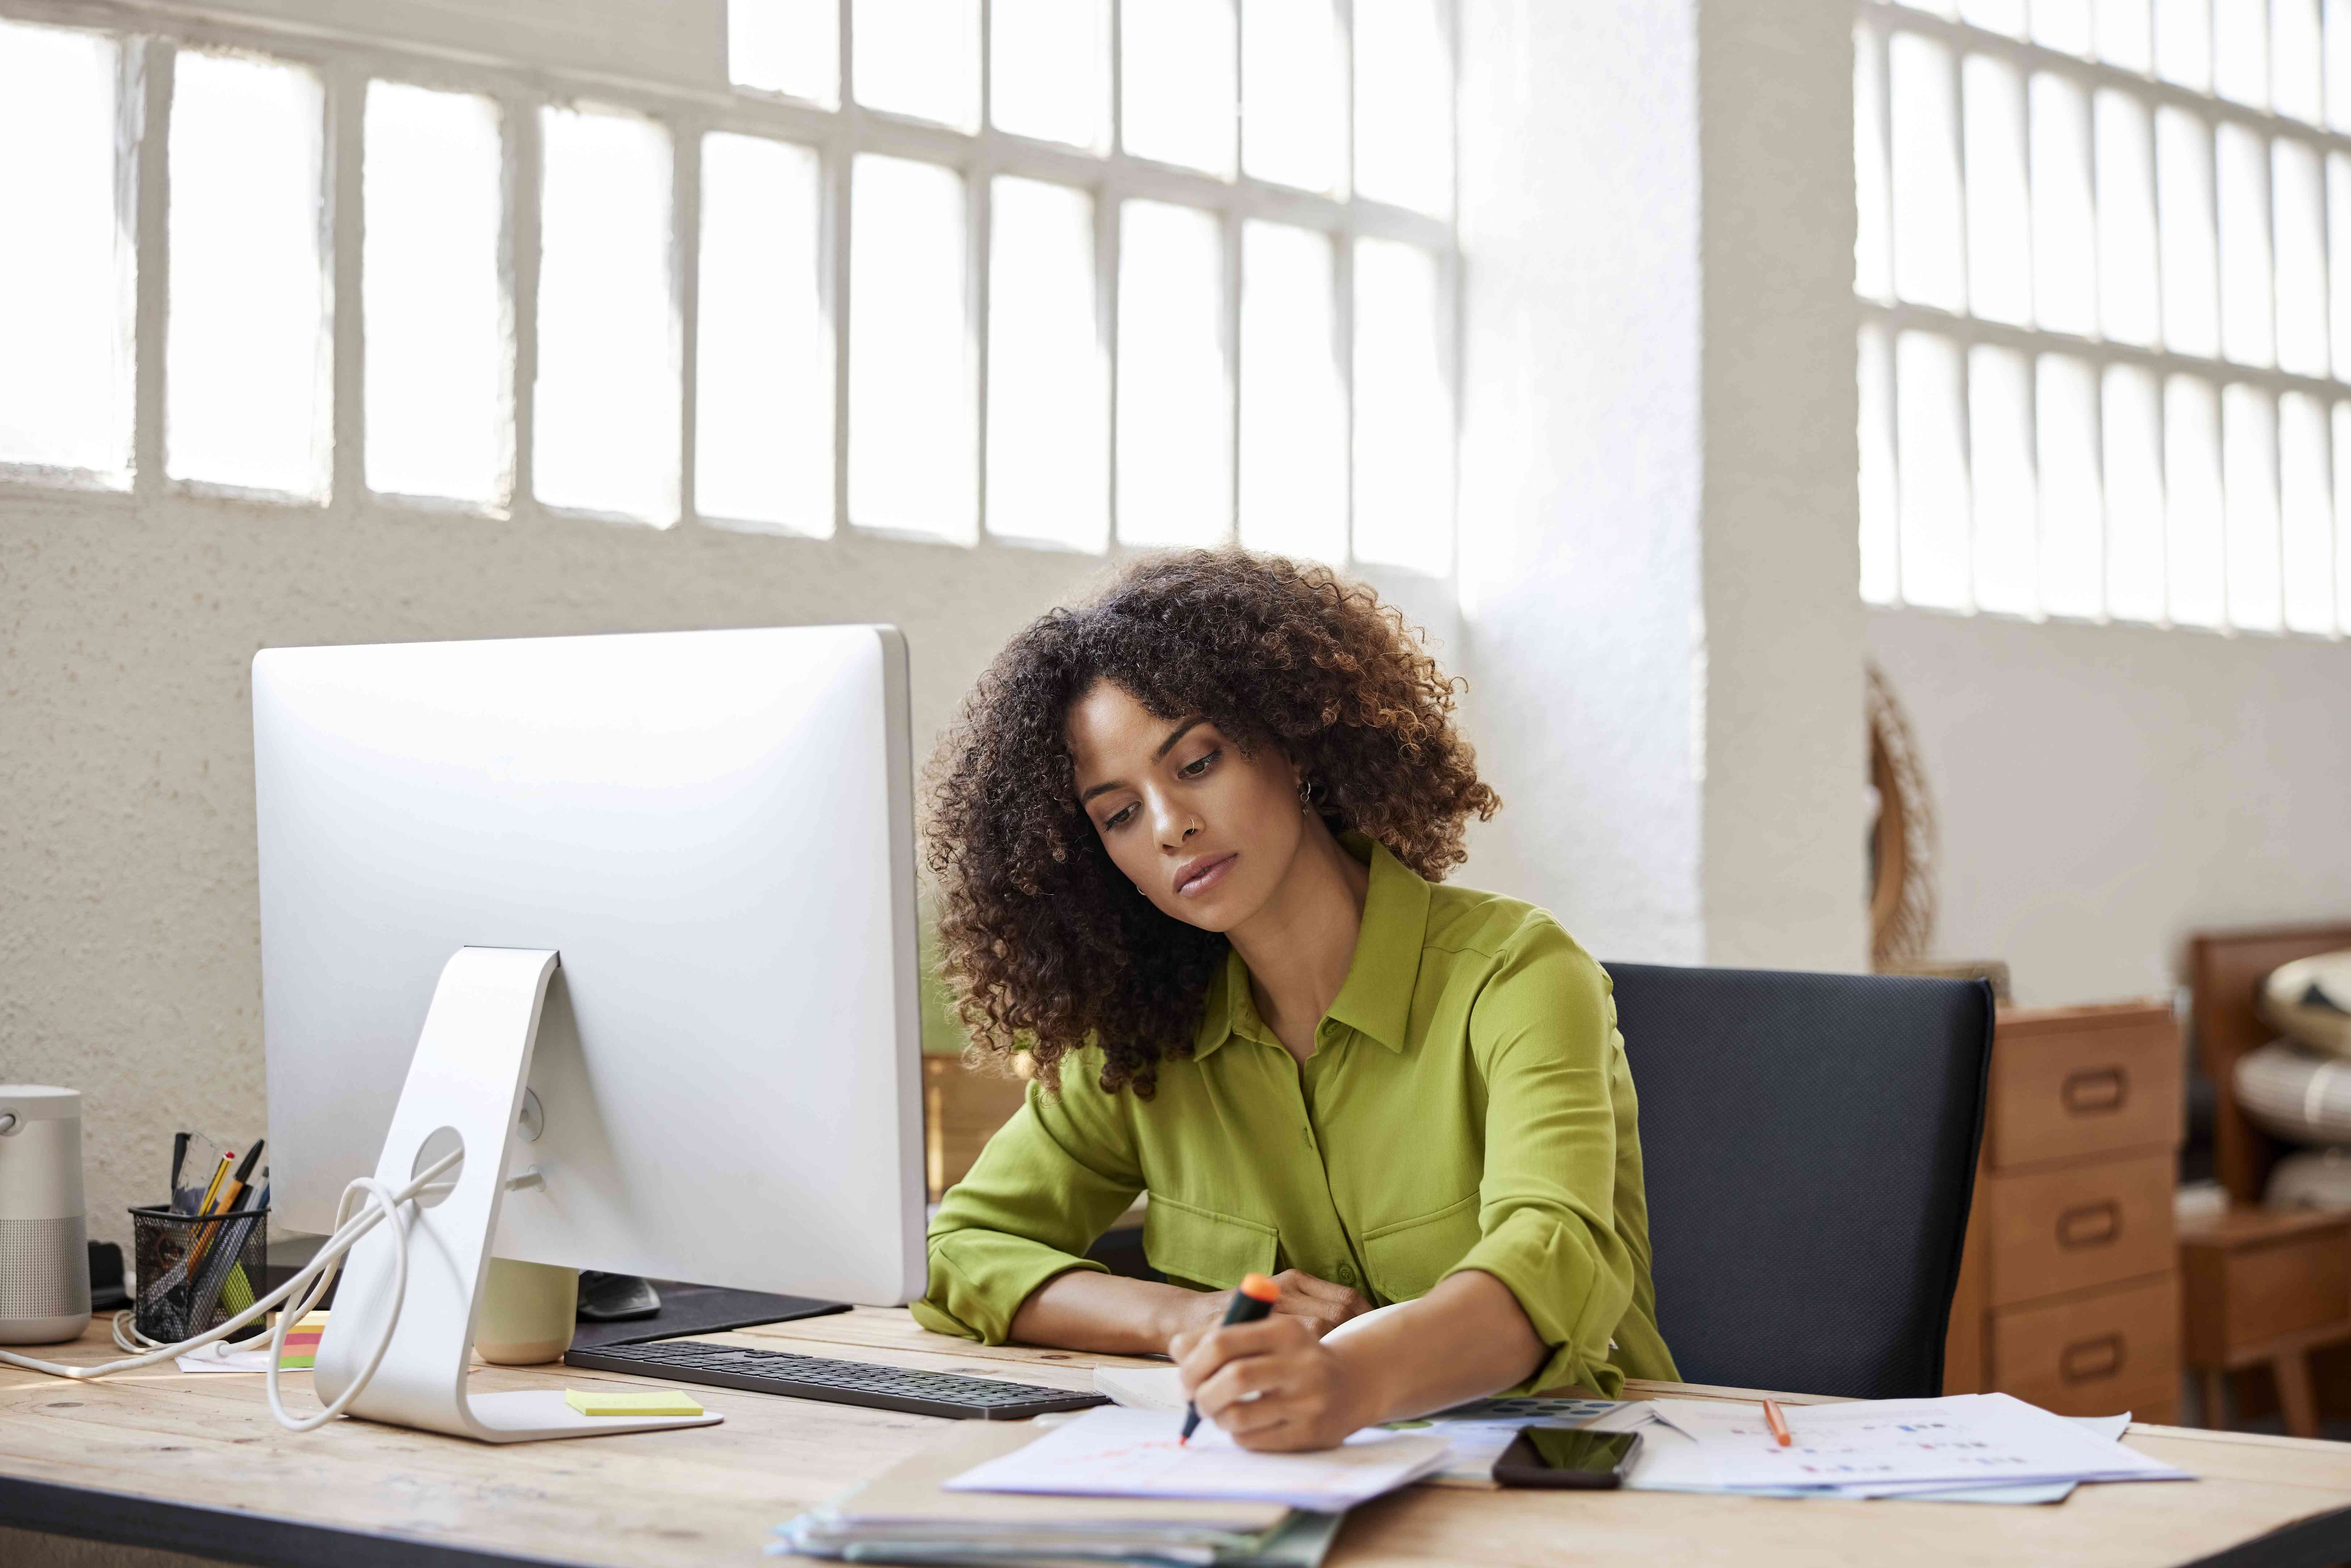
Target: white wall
2104, 791
1658, 503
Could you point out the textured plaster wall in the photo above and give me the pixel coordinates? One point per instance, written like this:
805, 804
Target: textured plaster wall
1658, 497
1581, 461
2105, 790
1783, 871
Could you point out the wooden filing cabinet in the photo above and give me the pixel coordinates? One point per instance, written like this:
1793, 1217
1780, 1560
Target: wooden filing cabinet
2069, 1293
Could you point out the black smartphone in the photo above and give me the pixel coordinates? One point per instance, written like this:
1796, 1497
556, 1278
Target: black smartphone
1546, 1457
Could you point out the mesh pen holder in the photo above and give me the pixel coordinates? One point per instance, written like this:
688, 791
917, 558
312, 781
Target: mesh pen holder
195, 1271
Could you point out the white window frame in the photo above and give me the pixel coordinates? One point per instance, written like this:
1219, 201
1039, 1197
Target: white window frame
346, 61
1878, 20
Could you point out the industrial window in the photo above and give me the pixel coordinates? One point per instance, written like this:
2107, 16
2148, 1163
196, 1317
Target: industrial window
2104, 259
1070, 272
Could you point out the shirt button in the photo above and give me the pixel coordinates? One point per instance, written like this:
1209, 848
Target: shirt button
1346, 1273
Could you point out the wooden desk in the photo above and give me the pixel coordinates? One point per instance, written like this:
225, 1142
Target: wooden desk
194, 1463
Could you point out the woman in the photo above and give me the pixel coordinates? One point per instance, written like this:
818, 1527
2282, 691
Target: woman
1186, 836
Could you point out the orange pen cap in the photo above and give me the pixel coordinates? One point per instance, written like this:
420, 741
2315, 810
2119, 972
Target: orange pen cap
1257, 1288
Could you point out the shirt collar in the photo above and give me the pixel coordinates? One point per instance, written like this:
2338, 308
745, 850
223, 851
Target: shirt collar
1376, 1000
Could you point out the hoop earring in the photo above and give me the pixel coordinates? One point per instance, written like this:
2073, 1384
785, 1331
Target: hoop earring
1305, 796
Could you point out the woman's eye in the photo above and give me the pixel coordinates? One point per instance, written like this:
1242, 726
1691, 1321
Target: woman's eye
1200, 765
1119, 817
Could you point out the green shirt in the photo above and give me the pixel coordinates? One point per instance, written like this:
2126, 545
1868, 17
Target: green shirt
1467, 1106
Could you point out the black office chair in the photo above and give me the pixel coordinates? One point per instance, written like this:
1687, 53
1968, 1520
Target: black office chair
1809, 1143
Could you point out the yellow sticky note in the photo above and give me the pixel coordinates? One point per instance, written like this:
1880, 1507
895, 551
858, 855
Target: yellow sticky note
632, 1402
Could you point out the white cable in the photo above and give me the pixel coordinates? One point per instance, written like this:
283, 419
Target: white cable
317, 1275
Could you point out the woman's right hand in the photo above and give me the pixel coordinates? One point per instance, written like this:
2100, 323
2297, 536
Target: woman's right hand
1322, 1303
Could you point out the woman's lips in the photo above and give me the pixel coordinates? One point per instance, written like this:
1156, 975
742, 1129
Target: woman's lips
1198, 882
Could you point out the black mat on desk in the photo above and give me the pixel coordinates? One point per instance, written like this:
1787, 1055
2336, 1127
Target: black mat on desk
703, 1309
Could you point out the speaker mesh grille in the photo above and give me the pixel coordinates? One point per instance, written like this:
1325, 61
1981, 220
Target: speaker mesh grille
43, 1268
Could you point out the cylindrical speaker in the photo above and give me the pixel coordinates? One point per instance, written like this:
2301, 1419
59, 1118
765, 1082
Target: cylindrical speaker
43, 1259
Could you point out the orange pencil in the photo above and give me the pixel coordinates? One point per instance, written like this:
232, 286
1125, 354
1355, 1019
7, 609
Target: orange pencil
1779, 1424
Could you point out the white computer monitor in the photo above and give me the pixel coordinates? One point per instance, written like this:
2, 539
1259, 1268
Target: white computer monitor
714, 829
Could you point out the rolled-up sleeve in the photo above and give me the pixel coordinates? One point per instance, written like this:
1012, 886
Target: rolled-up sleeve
1048, 1182
1543, 1032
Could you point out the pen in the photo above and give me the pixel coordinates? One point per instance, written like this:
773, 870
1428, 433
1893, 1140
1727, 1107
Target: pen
1252, 1301
1779, 1424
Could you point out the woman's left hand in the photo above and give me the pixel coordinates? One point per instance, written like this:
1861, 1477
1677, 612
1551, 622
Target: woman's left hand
1273, 1385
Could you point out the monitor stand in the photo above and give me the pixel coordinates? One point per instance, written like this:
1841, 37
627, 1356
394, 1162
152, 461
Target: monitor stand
465, 1090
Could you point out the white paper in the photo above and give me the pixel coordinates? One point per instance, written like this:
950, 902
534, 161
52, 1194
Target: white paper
218, 1357
1115, 1452
1880, 1447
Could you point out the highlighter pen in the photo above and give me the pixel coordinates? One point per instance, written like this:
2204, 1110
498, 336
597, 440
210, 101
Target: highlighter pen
1252, 1301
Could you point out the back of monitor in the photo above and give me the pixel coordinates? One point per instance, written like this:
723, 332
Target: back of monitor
714, 829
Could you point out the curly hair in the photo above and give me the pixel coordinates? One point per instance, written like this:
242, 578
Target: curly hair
1047, 948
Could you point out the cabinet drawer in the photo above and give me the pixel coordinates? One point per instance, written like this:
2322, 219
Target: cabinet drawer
2253, 1288
2062, 1088
2095, 1354
2077, 1228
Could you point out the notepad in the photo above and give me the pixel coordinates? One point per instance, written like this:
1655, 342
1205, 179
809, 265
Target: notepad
632, 1402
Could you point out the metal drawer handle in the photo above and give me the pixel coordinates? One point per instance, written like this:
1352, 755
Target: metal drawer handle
2087, 1361
2094, 1091
2090, 1224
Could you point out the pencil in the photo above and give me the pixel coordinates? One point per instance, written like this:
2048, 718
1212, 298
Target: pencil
1779, 1424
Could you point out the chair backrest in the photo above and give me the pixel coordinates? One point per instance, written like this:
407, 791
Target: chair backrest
1809, 1148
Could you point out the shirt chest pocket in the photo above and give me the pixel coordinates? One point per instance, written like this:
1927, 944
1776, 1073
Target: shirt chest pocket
1408, 1257
1199, 1246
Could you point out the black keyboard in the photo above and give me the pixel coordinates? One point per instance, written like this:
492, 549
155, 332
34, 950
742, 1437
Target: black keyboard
841, 1381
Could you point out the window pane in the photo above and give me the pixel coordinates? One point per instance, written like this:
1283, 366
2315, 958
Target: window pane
436, 359
2342, 416
1933, 473
1872, 264
2132, 423
2129, 305
2183, 167
2000, 239
2338, 258
606, 392
1879, 561
1294, 412
2294, 59
2072, 547
1404, 410
1050, 70
763, 383
2124, 35
919, 58
1174, 398
65, 302
1404, 105
2065, 233
1999, 15
786, 46
1927, 234
1177, 91
247, 346
2062, 24
2240, 51
2193, 557
2307, 518
912, 453
1999, 441
2246, 319
1047, 382
1294, 116
2337, 41
2183, 42
2249, 462
2298, 188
